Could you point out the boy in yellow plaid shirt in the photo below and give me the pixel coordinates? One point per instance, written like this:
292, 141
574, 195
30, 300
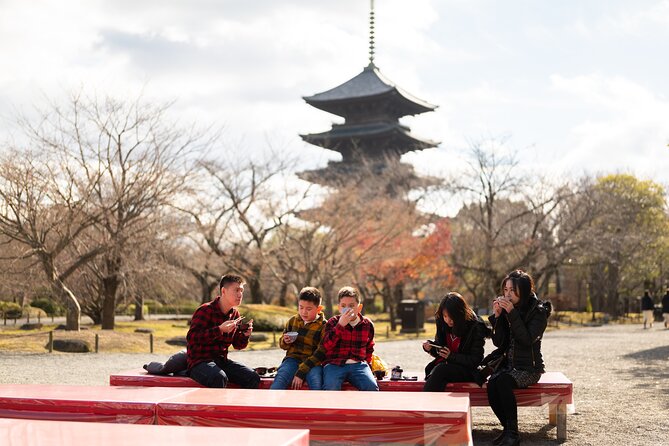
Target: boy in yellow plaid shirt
302, 342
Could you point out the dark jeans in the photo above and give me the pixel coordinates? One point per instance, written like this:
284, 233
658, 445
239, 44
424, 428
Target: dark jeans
444, 373
503, 401
218, 372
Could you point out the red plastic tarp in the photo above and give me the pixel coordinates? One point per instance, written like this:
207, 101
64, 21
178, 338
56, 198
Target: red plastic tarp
83, 403
358, 417
68, 433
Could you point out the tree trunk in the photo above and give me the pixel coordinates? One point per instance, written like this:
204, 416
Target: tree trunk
109, 287
73, 314
73, 309
282, 294
328, 289
206, 287
255, 287
612, 306
139, 307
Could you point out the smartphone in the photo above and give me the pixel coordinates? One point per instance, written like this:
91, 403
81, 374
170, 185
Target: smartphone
432, 344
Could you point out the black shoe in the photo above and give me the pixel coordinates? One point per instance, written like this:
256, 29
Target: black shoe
498, 439
510, 439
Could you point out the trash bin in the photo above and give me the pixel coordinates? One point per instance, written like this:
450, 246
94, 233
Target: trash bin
412, 315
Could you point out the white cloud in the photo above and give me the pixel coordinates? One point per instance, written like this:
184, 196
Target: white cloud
626, 128
246, 65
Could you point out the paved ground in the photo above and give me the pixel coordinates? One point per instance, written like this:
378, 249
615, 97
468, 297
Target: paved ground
620, 375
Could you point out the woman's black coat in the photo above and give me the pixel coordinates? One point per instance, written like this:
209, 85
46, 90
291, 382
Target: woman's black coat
524, 327
472, 343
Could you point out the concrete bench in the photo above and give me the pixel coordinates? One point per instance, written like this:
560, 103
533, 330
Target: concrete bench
359, 417
553, 389
72, 433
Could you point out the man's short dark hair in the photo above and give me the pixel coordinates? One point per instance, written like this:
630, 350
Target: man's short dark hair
349, 291
310, 294
227, 279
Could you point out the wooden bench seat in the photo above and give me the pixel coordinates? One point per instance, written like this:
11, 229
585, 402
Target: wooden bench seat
72, 433
553, 389
358, 417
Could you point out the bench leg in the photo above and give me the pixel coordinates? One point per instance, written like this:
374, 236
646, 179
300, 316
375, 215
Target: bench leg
557, 416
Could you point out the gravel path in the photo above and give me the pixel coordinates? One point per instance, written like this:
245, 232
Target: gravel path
620, 375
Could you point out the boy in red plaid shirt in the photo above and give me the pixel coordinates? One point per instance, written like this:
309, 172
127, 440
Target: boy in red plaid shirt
214, 327
349, 343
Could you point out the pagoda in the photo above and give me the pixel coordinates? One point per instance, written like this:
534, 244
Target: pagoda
372, 139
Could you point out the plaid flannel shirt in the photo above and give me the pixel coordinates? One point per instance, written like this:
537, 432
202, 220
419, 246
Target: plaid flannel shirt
307, 348
343, 343
205, 340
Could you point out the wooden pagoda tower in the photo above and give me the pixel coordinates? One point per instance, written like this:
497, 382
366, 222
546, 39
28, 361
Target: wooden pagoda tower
372, 139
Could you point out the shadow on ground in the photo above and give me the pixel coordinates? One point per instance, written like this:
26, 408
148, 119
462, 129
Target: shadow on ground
651, 364
544, 436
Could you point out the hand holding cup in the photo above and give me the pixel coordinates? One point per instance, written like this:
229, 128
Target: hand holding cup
290, 337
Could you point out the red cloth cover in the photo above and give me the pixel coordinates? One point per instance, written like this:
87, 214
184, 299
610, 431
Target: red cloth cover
381, 417
83, 403
59, 433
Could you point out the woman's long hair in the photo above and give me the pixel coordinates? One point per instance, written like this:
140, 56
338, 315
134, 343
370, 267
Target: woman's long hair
522, 284
458, 310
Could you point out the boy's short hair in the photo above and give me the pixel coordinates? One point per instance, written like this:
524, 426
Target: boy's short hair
349, 291
227, 279
310, 294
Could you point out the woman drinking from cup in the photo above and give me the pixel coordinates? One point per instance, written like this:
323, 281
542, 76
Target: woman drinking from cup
519, 319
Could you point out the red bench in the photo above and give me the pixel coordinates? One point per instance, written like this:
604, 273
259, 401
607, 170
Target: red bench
360, 417
71, 433
553, 389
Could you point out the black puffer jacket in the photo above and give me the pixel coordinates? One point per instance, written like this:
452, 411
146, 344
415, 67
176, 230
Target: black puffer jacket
471, 349
519, 334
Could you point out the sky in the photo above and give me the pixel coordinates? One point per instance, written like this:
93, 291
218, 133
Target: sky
575, 87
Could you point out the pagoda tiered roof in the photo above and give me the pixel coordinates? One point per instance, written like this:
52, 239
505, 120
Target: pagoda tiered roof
369, 87
371, 139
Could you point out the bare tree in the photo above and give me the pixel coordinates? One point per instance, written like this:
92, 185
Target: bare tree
237, 210
511, 220
45, 207
132, 160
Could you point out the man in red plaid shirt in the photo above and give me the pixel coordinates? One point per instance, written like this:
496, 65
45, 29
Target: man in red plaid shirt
348, 340
216, 326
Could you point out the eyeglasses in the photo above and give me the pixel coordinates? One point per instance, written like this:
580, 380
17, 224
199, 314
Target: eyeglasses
262, 371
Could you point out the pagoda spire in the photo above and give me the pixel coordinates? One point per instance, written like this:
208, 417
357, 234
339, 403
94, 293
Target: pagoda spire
371, 33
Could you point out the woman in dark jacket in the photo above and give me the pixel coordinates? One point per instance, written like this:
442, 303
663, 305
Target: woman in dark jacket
461, 337
519, 319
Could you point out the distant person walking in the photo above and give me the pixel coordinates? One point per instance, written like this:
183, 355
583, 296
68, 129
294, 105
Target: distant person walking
665, 309
647, 307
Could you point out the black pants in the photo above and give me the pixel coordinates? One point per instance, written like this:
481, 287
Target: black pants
218, 372
444, 373
503, 401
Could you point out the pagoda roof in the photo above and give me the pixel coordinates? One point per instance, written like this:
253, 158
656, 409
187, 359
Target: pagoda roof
369, 138
371, 84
